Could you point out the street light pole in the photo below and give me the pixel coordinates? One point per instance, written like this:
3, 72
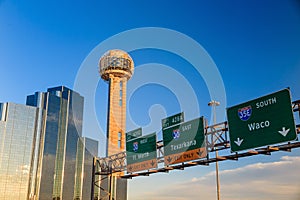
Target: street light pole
213, 104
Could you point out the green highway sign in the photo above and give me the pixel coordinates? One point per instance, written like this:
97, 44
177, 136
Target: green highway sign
141, 153
260, 122
172, 120
184, 142
133, 134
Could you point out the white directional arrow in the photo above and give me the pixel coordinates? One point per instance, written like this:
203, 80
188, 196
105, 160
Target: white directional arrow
284, 132
239, 141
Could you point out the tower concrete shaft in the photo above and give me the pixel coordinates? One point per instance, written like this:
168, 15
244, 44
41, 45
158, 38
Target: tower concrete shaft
116, 119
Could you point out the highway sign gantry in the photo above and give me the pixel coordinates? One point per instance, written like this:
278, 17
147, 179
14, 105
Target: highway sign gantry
184, 142
141, 153
260, 122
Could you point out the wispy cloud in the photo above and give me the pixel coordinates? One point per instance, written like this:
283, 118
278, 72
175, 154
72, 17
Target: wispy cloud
274, 180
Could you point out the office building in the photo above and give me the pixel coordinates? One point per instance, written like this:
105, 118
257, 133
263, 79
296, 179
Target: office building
84, 187
17, 144
42, 152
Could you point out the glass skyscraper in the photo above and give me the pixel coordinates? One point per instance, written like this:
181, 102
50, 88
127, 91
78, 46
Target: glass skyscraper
44, 144
17, 136
86, 150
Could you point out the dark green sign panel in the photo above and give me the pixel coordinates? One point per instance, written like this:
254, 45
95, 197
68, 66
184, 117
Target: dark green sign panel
141, 153
133, 134
172, 120
184, 142
263, 121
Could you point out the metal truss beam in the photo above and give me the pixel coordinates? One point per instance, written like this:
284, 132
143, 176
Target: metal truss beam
206, 162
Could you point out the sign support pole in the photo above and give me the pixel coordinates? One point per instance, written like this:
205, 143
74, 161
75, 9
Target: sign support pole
213, 104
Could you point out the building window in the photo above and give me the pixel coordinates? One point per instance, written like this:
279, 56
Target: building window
121, 93
119, 140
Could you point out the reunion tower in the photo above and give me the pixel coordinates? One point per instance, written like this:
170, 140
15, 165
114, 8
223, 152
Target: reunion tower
116, 67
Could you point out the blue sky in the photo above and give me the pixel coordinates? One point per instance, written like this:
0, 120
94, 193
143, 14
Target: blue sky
255, 46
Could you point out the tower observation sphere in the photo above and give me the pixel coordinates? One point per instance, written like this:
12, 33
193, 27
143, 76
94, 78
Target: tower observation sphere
117, 63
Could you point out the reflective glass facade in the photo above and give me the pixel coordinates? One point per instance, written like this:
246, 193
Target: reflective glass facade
90, 151
86, 150
17, 145
63, 110
42, 153
79, 170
